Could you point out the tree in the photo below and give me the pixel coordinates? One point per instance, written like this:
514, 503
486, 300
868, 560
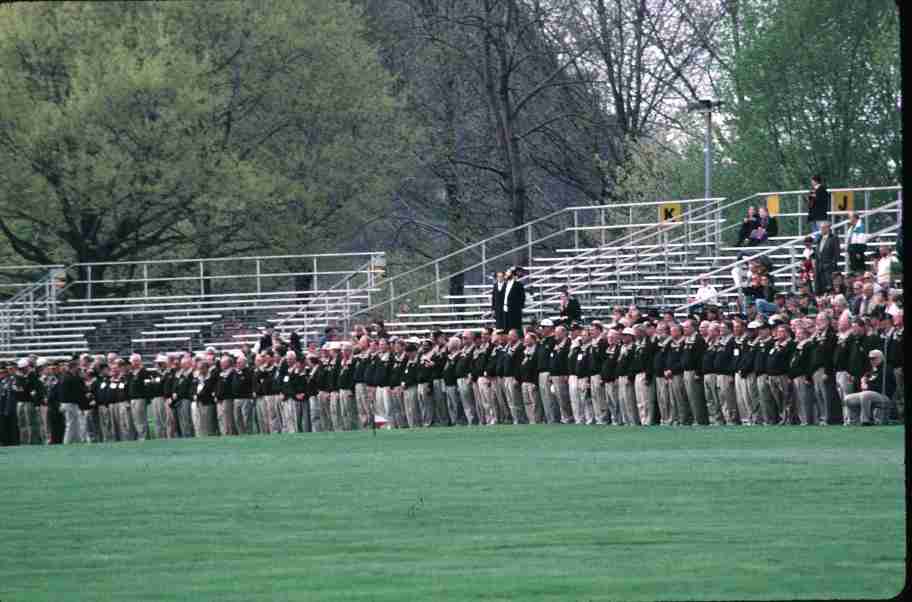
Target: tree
132, 129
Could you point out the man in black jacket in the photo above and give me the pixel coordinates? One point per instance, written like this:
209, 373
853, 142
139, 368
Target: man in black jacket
242, 392
497, 300
9, 427
824, 375
558, 369
826, 256
73, 401
543, 352
692, 362
818, 203
224, 396
514, 301
464, 381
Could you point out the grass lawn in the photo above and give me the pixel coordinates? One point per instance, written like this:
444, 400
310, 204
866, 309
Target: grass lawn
503, 513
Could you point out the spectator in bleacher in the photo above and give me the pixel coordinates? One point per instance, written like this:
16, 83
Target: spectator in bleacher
806, 268
818, 204
570, 310
856, 243
747, 226
894, 302
706, 294
888, 267
865, 302
827, 255
739, 274
265, 341
766, 228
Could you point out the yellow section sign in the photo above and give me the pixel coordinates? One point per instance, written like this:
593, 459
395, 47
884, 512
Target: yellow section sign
772, 204
844, 200
669, 212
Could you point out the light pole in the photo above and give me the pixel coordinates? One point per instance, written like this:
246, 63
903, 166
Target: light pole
706, 106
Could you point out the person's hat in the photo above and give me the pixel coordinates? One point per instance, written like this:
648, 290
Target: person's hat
42, 362
754, 324
875, 353
160, 358
210, 349
629, 331
23, 363
546, 323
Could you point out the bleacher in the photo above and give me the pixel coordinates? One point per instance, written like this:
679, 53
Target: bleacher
603, 264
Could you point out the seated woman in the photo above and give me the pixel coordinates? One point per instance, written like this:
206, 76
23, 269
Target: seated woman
766, 227
747, 226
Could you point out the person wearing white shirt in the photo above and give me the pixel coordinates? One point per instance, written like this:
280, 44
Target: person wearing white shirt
857, 244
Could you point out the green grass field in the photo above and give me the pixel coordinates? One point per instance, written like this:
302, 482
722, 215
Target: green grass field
504, 513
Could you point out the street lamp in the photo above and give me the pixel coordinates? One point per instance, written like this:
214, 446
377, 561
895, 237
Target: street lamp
706, 106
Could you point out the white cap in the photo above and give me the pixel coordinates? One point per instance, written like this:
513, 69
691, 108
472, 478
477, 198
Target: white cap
41, 362
629, 331
754, 324
161, 357
546, 322
875, 353
210, 349
23, 363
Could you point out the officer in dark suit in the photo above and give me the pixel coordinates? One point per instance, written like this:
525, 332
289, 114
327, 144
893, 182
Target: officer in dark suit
513, 302
497, 300
818, 203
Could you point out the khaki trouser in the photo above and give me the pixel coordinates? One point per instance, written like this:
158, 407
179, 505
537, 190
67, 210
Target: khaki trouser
504, 414
442, 416
140, 419
725, 385
582, 409
29, 423
753, 384
514, 396
195, 416
262, 415
804, 395
627, 396
488, 398
425, 404
160, 416
645, 391
71, 416
549, 403
291, 415
866, 402
88, 425
412, 409
845, 386
335, 411
350, 420
45, 424
693, 383
107, 420
713, 403
788, 413
123, 414
394, 398
208, 421
225, 413
613, 400
184, 418
364, 407
562, 392
326, 419
574, 399
453, 402
678, 393
743, 398
243, 416
467, 398
597, 395
824, 393
533, 403
664, 401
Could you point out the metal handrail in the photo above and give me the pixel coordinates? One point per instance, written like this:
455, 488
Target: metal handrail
226, 258
517, 248
794, 242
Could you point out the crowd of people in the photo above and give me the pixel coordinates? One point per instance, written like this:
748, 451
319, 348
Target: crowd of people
829, 353
631, 369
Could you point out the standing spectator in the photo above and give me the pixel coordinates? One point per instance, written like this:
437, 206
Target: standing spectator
857, 242
497, 300
827, 256
514, 300
818, 204
806, 268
